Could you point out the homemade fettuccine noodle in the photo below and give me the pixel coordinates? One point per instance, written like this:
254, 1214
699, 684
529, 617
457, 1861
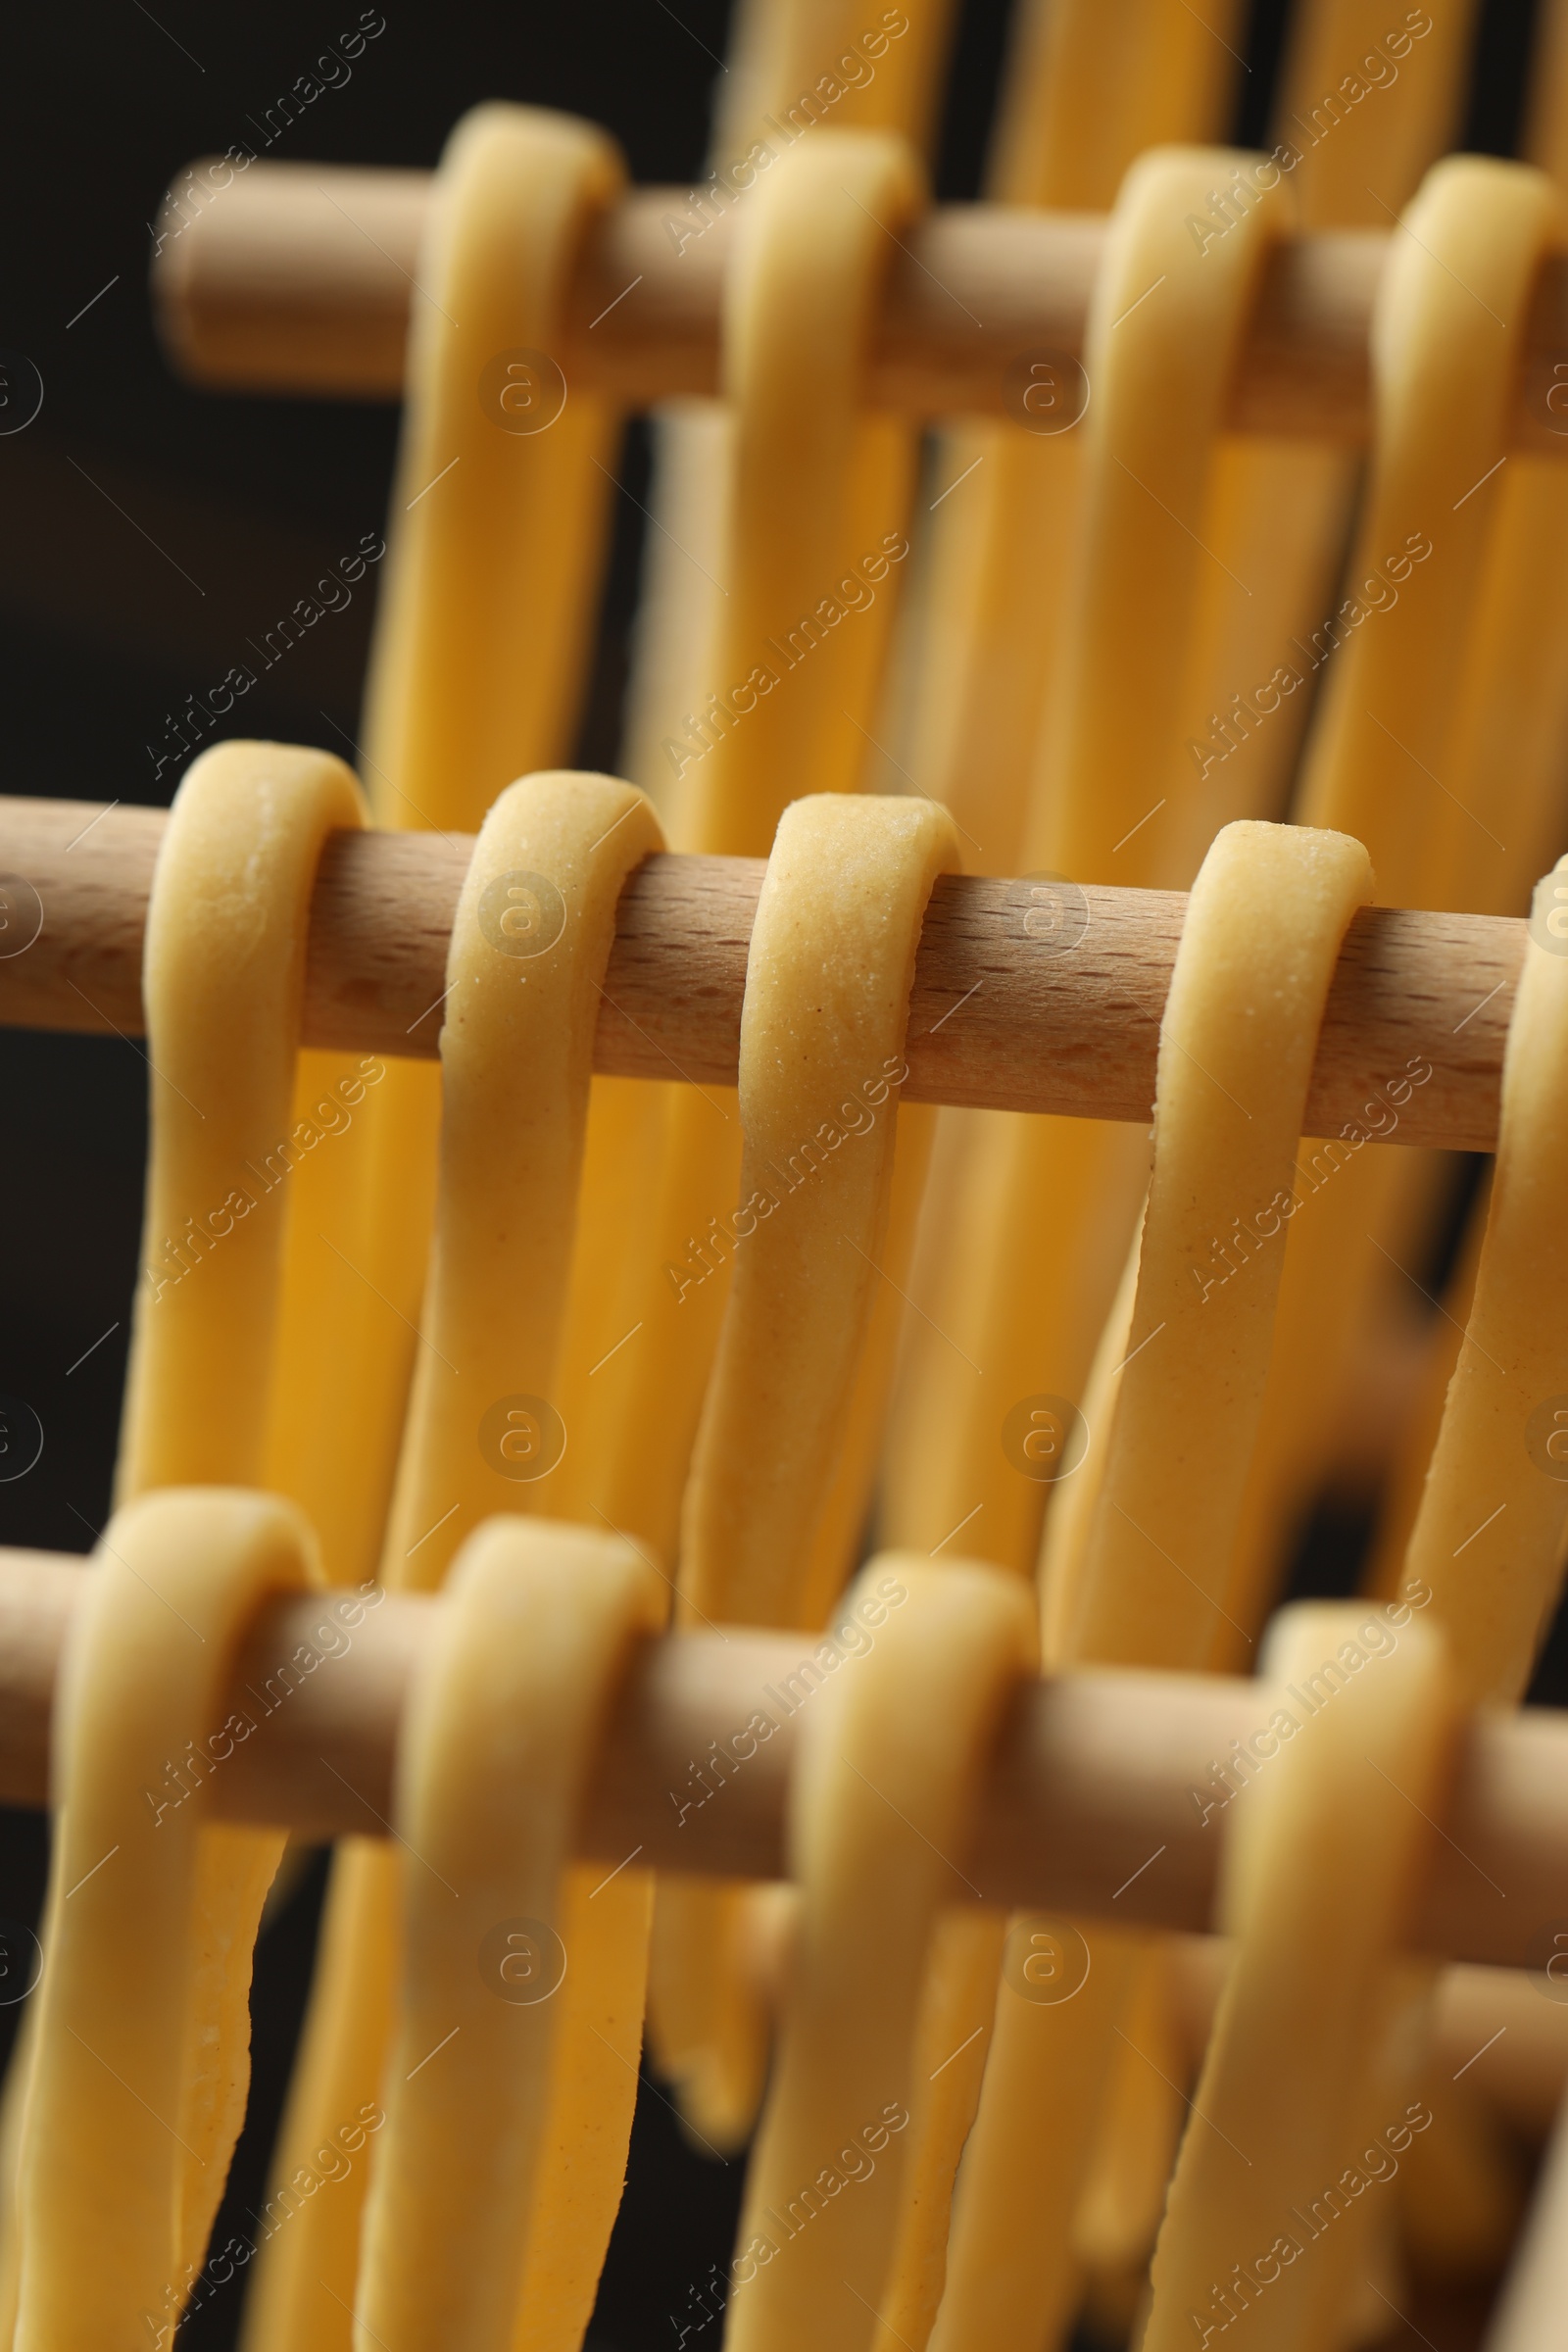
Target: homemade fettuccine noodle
141, 2050
784, 1458
797, 68
878, 1810
1263, 929
1443, 370
516, 1049
1048, 1215
491, 1771
1260, 2207
1489, 1533
224, 980
491, 577
816, 504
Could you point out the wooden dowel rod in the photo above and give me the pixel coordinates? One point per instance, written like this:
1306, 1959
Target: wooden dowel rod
1026, 996
297, 277
1087, 1806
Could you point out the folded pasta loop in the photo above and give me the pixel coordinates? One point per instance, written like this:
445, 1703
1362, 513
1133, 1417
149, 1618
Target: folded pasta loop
887, 1774
141, 2052
817, 494
823, 1035
225, 983
1294, 2113
530, 945
1264, 925
526, 969
1489, 1535
1049, 1205
496, 1751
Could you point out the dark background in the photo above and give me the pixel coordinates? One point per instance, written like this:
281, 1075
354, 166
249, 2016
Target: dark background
149, 530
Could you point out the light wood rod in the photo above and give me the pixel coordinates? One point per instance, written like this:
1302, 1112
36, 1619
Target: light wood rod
1026, 996
297, 278
1087, 1806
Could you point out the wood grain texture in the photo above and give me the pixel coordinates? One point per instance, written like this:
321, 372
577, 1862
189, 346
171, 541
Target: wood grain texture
296, 278
1087, 1806
1029, 995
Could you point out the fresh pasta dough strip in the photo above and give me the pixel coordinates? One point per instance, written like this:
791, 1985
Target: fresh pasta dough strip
1448, 333
1083, 98
491, 577
1050, 1209
514, 556
516, 1053
796, 66
531, 943
822, 1033
1290, 2093
818, 493
823, 601
139, 2074
1365, 108
994, 583
1142, 1563
952, 2040
499, 1741
811, 496
1264, 924
878, 1808
815, 538
1369, 106
821, 1057
468, 576
223, 982
1489, 1533
225, 977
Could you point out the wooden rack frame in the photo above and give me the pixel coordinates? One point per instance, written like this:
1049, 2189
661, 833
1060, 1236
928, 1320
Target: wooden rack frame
297, 277
1087, 1806
1028, 994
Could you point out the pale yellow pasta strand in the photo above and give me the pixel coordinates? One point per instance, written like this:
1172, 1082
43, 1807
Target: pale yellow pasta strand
500, 1739
1052, 1209
122, 2165
1298, 2059
814, 500
1264, 922
551, 858
561, 845
1365, 107
796, 68
1264, 926
491, 578
957, 2003
1085, 94
223, 983
819, 499
1369, 103
224, 979
1161, 1502
878, 1809
1117, 2217
1444, 372
516, 550
1489, 1533
821, 1059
